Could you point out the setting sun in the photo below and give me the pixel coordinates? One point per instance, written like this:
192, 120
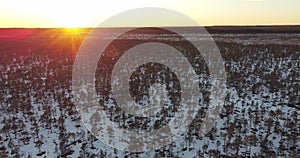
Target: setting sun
149, 78
90, 13
72, 29
68, 22
72, 16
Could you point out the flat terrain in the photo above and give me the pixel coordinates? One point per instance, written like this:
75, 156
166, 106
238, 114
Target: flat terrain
260, 115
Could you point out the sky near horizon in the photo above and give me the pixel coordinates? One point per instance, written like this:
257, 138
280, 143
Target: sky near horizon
89, 13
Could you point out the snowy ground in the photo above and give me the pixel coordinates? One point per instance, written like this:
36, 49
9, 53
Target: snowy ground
261, 115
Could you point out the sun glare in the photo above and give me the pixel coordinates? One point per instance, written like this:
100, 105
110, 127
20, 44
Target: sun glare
72, 29
69, 15
69, 21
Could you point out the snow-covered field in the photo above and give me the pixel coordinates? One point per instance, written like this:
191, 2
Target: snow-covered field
260, 118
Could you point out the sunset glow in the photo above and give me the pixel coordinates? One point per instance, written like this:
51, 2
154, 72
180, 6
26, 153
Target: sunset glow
90, 13
72, 29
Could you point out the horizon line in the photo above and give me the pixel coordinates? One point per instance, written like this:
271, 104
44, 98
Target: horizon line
260, 25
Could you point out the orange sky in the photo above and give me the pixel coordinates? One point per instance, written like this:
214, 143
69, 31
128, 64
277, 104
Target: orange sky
89, 13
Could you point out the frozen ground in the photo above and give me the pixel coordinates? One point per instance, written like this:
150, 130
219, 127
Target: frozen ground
260, 118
